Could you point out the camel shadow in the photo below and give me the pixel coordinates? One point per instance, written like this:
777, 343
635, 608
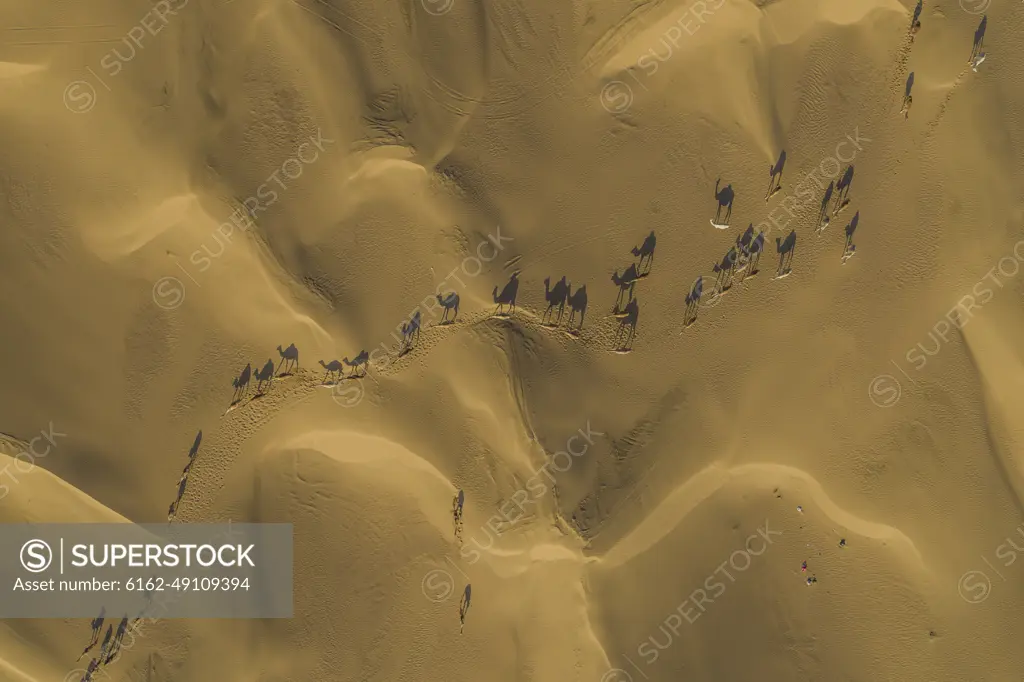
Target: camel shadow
289, 359
449, 302
627, 327
626, 284
775, 176
195, 445
850, 248
725, 271
786, 250
577, 304
908, 99
979, 38
645, 251
333, 368
556, 296
843, 191
693, 301
264, 378
360, 360
410, 333
915, 23
241, 384
507, 297
823, 216
467, 596
725, 198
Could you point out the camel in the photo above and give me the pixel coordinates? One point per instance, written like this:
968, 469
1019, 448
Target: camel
724, 197
241, 384
360, 360
264, 376
775, 174
843, 188
915, 24
507, 295
289, 356
785, 249
625, 284
555, 296
823, 218
646, 250
629, 321
411, 330
578, 304
448, 303
333, 367
693, 301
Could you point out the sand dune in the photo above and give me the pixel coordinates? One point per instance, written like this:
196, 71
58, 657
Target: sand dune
181, 202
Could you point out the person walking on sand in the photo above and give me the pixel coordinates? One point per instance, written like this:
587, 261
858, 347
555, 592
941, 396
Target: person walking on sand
457, 501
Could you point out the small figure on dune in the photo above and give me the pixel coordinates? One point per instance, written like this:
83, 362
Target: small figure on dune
334, 367
449, 302
724, 197
823, 214
507, 295
577, 304
359, 361
977, 62
843, 191
195, 445
289, 358
171, 509
555, 296
915, 24
756, 249
645, 251
107, 642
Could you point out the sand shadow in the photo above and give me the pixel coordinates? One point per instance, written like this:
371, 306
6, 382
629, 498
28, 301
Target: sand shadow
915, 23
96, 626
467, 596
725, 271
508, 294
645, 251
